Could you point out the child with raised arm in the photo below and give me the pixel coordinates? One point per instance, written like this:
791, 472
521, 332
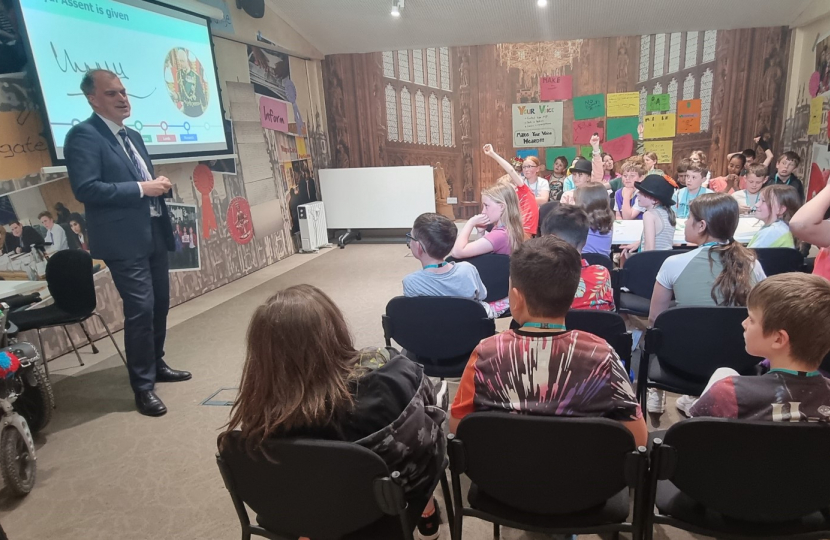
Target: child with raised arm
811, 224
527, 200
748, 198
788, 319
584, 171
776, 206
543, 368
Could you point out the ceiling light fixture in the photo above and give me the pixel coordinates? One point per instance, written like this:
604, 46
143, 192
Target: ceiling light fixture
541, 3
397, 7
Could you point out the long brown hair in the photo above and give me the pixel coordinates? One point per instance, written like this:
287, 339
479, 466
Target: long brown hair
504, 193
720, 212
593, 198
786, 196
298, 364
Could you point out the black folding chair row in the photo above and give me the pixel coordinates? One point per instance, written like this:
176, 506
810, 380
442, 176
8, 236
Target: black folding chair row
494, 270
687, 344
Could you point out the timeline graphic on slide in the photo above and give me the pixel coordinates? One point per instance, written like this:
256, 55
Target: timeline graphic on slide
163, 58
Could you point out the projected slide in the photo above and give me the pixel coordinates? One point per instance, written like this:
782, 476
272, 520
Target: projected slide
162, 56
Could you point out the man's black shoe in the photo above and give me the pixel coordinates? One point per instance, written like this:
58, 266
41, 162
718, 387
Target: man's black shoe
149, 404
166, 374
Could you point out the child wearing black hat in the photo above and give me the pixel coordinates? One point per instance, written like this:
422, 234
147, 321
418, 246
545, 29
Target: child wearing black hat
655, 195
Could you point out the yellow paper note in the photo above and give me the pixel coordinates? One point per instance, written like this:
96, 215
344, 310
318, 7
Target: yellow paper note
663, 149
301, 149
816, 106
22, 148
624, 104
658, 126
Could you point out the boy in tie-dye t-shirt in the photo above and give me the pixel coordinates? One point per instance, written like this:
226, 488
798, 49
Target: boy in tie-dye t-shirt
542, 368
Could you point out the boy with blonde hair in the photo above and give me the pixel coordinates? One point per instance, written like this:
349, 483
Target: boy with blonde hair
787, 323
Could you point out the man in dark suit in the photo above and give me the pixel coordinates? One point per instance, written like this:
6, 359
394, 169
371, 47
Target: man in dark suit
111, 173
23, 238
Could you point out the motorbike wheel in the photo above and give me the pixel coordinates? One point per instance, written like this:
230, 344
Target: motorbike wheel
36, 403
16, 463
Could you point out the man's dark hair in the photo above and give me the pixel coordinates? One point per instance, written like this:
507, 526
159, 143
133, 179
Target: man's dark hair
749, 153
570, 223
546, 271
436, 233
88, 80
46, 213
15, 222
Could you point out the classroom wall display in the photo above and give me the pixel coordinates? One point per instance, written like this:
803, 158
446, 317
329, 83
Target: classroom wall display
568, 152
823, 66
185, 256
430, 105
557, 88
688, 116
537, 124
621, 148
663, 149
583, 130
819, 170
816, 109
658, 126
269, 71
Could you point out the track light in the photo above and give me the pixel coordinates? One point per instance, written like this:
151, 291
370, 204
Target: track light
541, 3
397, 7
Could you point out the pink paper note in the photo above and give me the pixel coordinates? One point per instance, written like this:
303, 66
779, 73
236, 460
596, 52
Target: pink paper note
273, 114
619, 148
584, 129
556, 88
813, 85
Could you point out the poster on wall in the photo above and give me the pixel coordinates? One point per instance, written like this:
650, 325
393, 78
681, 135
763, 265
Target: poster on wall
269, 71
537, 124
185, 224
823, 65
819, 170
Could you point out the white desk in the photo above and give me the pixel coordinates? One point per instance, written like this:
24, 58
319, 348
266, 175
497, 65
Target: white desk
630, 230
11, 288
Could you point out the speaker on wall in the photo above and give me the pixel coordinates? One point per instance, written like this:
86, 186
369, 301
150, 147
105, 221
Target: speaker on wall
254, 8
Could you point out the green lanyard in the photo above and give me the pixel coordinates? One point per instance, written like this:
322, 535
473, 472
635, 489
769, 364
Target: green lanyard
544, 325
797, 373
436, 265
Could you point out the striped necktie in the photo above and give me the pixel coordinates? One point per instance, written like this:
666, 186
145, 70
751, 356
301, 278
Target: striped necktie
155, 205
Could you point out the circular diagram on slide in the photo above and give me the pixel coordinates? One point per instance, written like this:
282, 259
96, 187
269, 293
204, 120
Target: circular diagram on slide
185, 80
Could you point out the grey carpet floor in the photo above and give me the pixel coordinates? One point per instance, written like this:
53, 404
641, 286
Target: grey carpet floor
106, 472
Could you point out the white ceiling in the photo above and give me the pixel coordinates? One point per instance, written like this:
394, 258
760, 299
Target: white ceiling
355, 26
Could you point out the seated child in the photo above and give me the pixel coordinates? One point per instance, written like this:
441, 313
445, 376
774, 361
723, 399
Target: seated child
695, 175
625, 199
584, 171
655, 193
570, 223
593, 198
526, 199
748, 198
542, 368
430, 241
733, 181
788, 316
681, 169
786, 165
777, 204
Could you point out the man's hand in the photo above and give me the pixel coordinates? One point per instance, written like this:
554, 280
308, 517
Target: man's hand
157, 187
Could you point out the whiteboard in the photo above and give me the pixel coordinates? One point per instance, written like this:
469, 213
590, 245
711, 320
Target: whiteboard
376, 197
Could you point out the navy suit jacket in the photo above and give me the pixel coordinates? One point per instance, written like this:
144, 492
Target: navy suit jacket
105, 180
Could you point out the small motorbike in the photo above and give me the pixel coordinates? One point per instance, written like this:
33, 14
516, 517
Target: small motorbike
26, 405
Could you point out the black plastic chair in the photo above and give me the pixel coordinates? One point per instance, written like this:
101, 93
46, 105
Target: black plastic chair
315, 488
780, 260
547, 474
441, 332
599, 259
728, 478
607, 325
70, 281
494, 270
638, 275
686, 346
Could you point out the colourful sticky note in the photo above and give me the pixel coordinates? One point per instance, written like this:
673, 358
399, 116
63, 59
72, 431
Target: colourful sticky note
663, 149
587, 152
583, 130
586, 107
688, 116
657, 103
617, 127
658, 126
569, 152
301, 148
620, 148
556, 88
816, 106
623, 104
526, 152
273, 114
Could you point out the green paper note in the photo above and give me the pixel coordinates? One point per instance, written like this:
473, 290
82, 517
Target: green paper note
587, 152
617, 127
586, 107
552, 153
657, 103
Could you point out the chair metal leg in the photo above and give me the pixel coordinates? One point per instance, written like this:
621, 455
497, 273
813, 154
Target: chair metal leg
71, 342
445, 489
496, 531
43, 353
107, 328
89, 339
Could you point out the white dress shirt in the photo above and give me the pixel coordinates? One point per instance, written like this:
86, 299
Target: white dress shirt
57, 236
